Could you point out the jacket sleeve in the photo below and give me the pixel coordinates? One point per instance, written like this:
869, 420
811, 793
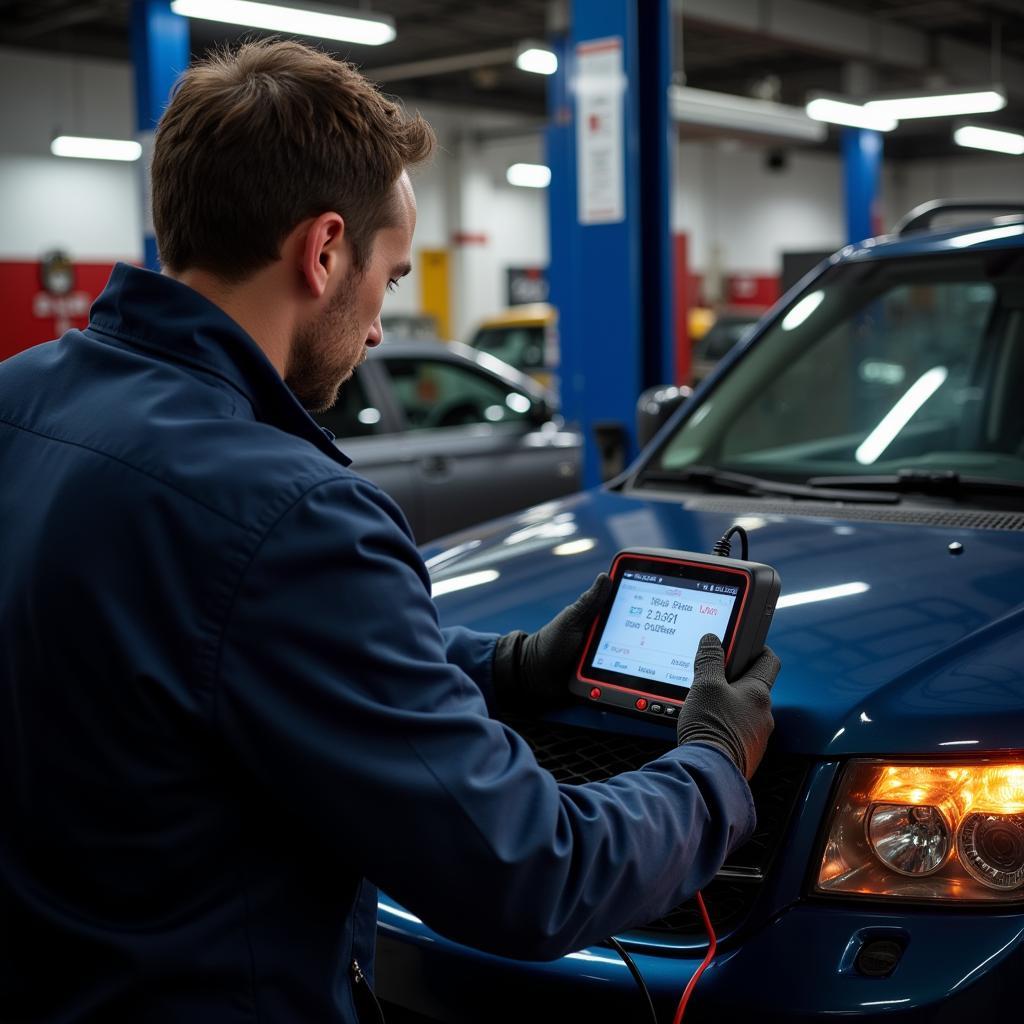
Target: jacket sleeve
337, 694
473, 652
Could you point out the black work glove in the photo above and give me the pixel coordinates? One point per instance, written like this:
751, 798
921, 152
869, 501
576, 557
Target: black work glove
532, 670
735, 717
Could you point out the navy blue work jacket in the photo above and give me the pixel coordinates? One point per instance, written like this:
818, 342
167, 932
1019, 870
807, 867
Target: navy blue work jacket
227, 710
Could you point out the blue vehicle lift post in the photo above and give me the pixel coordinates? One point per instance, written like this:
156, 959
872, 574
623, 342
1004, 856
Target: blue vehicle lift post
608, 147
862, 162
160, 52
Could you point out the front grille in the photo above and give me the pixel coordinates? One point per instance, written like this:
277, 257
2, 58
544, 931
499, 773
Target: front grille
575, 755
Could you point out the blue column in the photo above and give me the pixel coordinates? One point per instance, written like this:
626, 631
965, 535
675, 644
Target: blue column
160, 52
611, 264
862, 162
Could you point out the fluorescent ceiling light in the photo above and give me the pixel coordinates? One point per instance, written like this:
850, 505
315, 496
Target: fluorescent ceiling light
976, 137
944, 104
538, 59
900, 415
95, 149
756, 117
529, 175
309, 20
823, 108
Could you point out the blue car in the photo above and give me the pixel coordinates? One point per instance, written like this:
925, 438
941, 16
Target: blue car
869, 435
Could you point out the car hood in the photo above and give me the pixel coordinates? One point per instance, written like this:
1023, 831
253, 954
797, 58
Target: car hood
889, 642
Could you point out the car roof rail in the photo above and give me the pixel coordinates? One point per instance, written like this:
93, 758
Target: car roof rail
921, 217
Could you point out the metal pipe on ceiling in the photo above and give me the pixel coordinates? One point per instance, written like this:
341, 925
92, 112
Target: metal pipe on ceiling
441, 65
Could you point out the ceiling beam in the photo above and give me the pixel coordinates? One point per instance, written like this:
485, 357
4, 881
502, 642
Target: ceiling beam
441, 65
851, 36
81, 14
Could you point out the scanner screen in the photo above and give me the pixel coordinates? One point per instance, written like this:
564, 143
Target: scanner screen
655, 623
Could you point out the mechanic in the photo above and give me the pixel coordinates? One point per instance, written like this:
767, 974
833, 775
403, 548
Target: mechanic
227, 710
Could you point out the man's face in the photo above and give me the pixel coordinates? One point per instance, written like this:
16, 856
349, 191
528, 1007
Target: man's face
324, 353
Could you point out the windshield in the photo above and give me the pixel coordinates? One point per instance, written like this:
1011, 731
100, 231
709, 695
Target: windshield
882, 366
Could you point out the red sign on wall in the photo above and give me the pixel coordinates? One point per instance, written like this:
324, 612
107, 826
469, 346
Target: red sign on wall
32, 314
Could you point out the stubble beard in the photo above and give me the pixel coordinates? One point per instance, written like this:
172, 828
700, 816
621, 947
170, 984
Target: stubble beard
324, 354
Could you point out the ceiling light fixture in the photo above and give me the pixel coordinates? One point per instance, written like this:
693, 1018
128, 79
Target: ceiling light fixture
537, 58
995, 140
947, 103
95, 149
529, 175
756, 117
310, 19
853, 115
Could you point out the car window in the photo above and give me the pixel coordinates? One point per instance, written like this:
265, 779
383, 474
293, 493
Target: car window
521, 347
882, 367
353, 415
438, 393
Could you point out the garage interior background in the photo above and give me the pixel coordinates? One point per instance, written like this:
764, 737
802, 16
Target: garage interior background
740, 198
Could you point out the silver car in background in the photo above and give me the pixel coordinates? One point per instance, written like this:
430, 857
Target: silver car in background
455, 436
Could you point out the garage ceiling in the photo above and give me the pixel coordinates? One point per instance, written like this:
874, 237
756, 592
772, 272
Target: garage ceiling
718, 50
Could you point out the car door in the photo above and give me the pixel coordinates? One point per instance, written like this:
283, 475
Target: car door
368, 429
480, 446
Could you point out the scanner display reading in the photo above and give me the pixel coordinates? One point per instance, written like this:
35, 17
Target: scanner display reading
656, 622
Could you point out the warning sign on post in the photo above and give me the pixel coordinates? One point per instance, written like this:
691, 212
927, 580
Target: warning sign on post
600, 163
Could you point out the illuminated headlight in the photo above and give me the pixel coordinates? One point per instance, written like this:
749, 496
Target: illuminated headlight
911, 840
927, 832
991, 847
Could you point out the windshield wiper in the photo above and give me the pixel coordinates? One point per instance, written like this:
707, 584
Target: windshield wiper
741, 483
946, 483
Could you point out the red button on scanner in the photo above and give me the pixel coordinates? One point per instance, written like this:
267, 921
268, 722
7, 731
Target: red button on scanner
641, 704
595, 693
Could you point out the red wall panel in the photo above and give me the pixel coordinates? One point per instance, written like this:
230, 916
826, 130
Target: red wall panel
30, 315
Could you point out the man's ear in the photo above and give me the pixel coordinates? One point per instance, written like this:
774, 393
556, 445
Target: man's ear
323, 252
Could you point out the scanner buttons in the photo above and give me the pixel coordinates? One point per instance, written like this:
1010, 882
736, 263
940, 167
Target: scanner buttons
643, 704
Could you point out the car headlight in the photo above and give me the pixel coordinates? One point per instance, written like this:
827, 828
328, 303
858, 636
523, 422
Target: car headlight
920, 831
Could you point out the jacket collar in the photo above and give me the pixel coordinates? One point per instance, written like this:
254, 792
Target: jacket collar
145, 310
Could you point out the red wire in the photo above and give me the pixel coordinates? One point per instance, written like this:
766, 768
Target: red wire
712, 946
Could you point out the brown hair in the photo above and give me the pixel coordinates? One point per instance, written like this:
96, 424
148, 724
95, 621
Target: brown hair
257, 139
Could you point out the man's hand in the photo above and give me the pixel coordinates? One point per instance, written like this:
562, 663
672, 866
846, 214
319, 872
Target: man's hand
735, 717
533, 670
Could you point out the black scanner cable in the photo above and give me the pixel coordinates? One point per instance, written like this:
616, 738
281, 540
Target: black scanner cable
637, 976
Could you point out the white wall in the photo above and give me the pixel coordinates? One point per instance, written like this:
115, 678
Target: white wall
727, 198
743, 215
961, 177
90, 208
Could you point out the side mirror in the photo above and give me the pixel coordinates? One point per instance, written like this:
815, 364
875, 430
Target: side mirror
655, 406
541, 412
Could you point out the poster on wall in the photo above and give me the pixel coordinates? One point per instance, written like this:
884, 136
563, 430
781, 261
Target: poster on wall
59, 300
600, 148
524, 285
